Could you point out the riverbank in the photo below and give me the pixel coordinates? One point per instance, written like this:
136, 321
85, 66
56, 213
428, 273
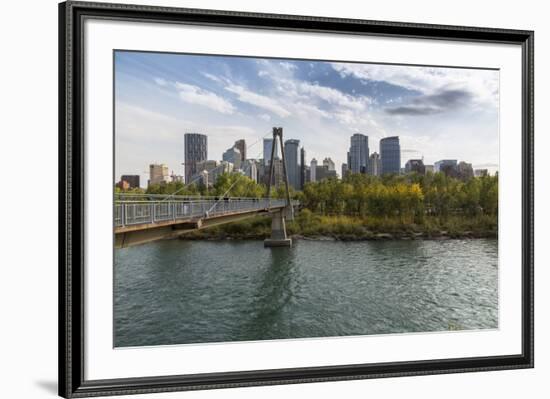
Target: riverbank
308, 226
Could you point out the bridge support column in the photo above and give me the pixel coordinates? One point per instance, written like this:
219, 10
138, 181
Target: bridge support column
278, 232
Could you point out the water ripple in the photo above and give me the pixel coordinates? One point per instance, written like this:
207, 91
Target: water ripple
175, 292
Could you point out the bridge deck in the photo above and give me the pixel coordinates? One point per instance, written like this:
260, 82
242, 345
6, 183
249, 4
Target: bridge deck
136, 215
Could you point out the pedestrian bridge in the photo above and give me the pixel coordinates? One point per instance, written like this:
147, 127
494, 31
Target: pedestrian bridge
143, 218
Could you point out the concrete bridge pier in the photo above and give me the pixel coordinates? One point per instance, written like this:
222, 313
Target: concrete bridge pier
278, 231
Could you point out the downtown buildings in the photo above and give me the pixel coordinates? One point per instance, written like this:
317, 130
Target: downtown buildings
359, 160
196, 150
358, 155
415, 165
200, 169
132, 180
158, 174
374, 164
390, 155
292, 166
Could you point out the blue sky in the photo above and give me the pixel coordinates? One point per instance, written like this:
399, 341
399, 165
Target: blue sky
439, 113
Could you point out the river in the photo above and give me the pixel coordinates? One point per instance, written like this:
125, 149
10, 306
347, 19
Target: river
178, 292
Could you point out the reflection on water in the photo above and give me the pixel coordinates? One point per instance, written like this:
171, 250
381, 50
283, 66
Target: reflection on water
175, 292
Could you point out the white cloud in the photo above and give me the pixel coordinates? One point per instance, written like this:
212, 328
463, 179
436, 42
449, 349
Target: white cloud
258, 100
211, 77
287, 65
145, 136
333, 96
321, 117
265, 117
160, 81
195, 95
483, 84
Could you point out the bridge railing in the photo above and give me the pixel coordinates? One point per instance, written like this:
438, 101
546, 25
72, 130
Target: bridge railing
128, 213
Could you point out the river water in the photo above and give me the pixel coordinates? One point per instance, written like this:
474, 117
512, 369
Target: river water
177, 292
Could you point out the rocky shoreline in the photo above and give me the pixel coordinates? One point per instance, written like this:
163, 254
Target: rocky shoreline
368, 236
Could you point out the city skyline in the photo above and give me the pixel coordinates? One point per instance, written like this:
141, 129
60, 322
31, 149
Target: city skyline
438, 113
299, 171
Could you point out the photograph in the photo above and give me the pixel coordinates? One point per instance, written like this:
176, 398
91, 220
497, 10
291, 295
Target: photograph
261, 198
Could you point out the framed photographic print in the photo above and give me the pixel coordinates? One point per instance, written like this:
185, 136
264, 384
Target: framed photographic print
253, 199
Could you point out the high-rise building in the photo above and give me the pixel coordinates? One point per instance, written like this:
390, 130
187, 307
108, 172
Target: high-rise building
481, 172
250, 169
277, 172
464, 170
196, 150
241, 146
302, 168
133, 180
176, 178
344, 170
292, 168
268, 143
223, 167
415, 165
447, 166
158, 174
429, 168
374, 164
313, 170
358, 156
329, 164
390, 155
207, 172
207, 165
322, 173
308, 174
233, 155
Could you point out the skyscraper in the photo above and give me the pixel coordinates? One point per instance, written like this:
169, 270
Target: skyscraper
233, 155
313, 170
291, 158
415, 165
358, 153
374, 164
481, 172
133, 180
196, 150
329, 164
465, 170
268, 143
158, 174
250, 169
446, 166
208, 171
390, 155
241, 146
344, 170
302, 168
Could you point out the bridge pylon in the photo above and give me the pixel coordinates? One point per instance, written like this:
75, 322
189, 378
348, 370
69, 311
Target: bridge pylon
279, 237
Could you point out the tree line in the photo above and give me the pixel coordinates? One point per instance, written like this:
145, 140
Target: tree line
410, 196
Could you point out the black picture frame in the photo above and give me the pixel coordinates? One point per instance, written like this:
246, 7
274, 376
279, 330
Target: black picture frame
71, 199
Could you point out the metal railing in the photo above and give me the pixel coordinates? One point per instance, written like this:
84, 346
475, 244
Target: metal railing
134, 212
